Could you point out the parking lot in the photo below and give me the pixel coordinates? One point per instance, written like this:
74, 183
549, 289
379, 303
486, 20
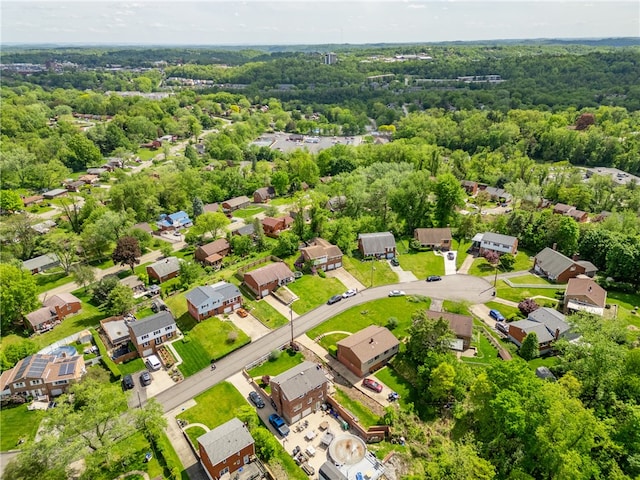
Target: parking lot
280, 141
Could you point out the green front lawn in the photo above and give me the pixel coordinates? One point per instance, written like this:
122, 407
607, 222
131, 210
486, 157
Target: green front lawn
194, 356
329, 342
362, 413
482, 268
396, 382
194, 433
517, 294
147, 154
247, 213
18, 423
461, 248
506, 310
461, 308
376, 312
278, 202
264, 312
530, 279
422, 264
132, 366
314, 291
51, 279
382, 273
287, 359
215, 406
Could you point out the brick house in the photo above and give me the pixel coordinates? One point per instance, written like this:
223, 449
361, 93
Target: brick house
42, 375
323, 254
367, 350
41, 263
548, 324
264, 194
435, 238
151, 332
274, 226
470, 187
63, 304
41, 320
460, 325
262, 281
379, 245
559, 268
299, 391
206, 301
212, 253
495, 242
164, 269
32, 200
225, 449
578, 215
583, 294
53, 311
236, 203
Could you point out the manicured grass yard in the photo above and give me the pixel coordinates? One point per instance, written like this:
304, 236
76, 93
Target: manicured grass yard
486, 353
147, 154
516, 294
51, 279
16, 423
546, 361
264, 312
215, 406
140, 445
247, 213
287, 359
482, 268
278, 202
194, 433
461, 248
376, 312
422, 264
329, 342
505, 310
461, 308
530, 279
382, 273
314, 291
392, 379
132, 366
362, 413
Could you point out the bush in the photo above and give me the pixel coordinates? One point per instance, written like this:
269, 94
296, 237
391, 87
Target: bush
321, 274
275, 355
110, 364
232, 337
392, 323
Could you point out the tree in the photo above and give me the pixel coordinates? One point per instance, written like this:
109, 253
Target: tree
17, 232
166, 249
189, 273
529, 348
101, 290
83, 275
10, 201
65, 247
211, 223
14, 352
150, 420
127, 252
427, 335
18, 295
241, 245
442, 382
527, 306
120, 300
46, 459
449, 195
280, 182
198, 207
287, 244
507, 261
259, 236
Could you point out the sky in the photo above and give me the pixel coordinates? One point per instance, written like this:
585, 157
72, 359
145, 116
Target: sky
310, 22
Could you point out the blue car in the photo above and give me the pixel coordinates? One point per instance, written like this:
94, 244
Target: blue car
496, 315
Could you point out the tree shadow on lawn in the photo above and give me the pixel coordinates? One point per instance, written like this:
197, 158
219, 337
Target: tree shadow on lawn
186, 322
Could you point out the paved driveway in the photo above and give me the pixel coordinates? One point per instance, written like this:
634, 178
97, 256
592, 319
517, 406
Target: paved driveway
404, 276
450, 265
160, 382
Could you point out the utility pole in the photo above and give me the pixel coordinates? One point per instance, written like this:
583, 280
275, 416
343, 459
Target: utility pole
291, 321
372, 270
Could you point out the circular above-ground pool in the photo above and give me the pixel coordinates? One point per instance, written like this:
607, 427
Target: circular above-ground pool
64, 351
347, 449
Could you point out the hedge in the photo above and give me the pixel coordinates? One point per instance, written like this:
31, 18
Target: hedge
110, 364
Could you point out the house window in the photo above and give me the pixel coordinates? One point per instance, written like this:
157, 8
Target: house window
158, 340
170, 327
144, 336
170, 334
60, 382
157, 332
145, 344
309, 401
36, 382
297, 408
18, 385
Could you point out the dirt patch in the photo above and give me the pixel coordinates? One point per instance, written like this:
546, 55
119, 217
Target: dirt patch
633, 328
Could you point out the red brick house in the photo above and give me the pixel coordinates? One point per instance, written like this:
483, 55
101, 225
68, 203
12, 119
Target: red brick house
367, 350
273, 226
225, 449
299, 391
435, 238
151, 332
264, 280
32, 200
470, 187
208, 300
164, 270
323, 254
559, 268
213, 253
264, 194
236, 203
63, 304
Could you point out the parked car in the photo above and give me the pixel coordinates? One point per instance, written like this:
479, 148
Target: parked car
256, 399
397, 293
393, 396
372, 385
242, 312
308, 469
434, 278
349, 293
334, 299
502, 327
451, 256
278, 423
395, 262
145, 378
127, 382
153, 362
496, 315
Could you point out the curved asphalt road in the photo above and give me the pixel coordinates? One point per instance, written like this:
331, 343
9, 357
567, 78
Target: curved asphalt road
452, 287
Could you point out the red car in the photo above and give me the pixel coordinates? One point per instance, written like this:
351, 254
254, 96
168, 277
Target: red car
372, 385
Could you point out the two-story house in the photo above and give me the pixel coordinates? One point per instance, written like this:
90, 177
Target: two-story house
175, 221
212, 253
299, 391
274, 226
548, 324
151, 332
322, 254
206, 301
495, 242
262, 281
226, 449
367, 350
378, 245
583, 294
164, 269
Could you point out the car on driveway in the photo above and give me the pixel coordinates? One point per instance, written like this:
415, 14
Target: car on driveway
334, 299
372, 385
496, 315
349, 293
397, 293
278, 423
434, 278
256, 399
127, 382
395, 262
145, 379
451, 256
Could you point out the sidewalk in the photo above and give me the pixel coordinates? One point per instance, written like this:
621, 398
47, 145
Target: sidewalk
280, 307
466, 265
180, 444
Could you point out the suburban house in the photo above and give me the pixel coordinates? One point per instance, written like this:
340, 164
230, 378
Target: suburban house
495, 242
41, 320
235, 204
273, 226
63, 304
210, 207
208, 300
213, 253
583, 294
74, 186
116, 330
336, 204
548, 324
41, 263
435, 238
39, 374
559, 268
32, 200
225, 449
578, 215
44, 227
247, 229
264, 194
460, 325
495, 194
562, 209
89, 179
164, 269
299, 391
367, 350
322, 254
151, 332
262, 281
96, 171
379, 245
55, 193
175, 221
470, 187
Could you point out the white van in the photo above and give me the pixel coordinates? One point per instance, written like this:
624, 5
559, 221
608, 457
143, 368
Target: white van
153, 362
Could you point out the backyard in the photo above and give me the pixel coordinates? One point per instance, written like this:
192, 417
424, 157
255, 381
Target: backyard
272, 367
314, 291
247, 213
516, 294
482, 268
51, 279
18, 423
265, 313
363, 271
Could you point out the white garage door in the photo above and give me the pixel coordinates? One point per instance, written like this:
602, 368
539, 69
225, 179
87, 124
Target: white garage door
306, 412
338, 265
227, 310
265, 293
331, 267
295, 418
56, 392
146, 353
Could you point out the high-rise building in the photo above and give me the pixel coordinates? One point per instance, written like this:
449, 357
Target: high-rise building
330, 58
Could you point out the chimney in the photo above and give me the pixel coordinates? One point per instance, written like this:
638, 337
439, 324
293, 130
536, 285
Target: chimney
575, 257
557, 333
371, 341
555, 246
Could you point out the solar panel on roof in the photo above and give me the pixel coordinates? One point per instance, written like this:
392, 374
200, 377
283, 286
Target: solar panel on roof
65, 370
23, 367
37, 367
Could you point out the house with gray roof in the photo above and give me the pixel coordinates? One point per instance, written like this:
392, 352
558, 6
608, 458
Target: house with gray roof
495, 242
226, 449
262, 281
151, 332
378, 245
548, 324
164, 269
208, 300
41, 263
299, 391
559, 268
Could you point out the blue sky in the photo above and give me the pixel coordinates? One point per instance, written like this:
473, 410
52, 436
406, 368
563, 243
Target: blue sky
264, 22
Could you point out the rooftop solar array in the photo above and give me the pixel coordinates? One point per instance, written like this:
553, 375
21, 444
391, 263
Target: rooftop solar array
23, 367
37, 367
67, 368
